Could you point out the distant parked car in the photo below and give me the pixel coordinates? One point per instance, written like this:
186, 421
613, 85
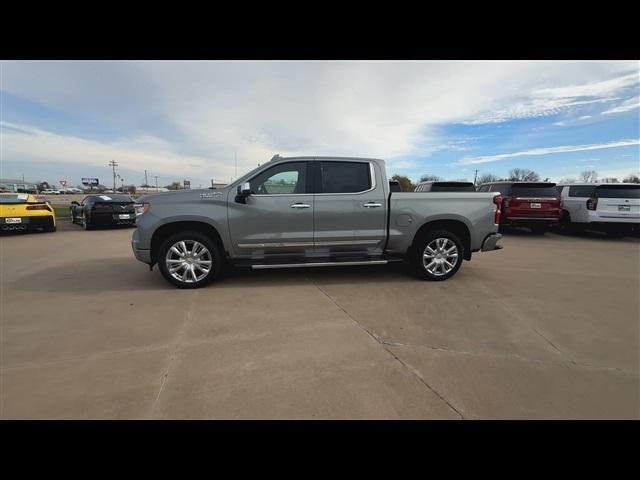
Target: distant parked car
535, 205
103, 210
445, 187
23, 212
612, 208
50, 191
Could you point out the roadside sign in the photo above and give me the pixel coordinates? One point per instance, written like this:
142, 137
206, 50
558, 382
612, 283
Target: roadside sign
90, 181
187, 184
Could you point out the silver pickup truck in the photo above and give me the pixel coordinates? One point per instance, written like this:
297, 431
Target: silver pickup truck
308, 212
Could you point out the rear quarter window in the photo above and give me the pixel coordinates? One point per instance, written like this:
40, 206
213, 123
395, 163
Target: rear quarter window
582, 191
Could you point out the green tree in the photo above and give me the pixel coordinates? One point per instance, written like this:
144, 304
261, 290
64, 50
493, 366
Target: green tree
405, 183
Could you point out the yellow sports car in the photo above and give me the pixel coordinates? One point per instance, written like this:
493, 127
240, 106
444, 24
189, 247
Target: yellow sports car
22, 212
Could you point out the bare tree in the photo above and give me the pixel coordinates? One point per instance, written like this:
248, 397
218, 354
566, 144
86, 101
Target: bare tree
567, 180
523, 175
632, 179
609, 180
486, 178
405, 183
589, 176
430, 178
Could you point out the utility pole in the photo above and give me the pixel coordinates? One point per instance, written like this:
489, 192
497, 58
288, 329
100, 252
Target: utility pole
156, 183
475, 177
235, 159
146, 182
113, 164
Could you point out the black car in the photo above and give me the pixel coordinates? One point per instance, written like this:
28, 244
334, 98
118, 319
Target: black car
103, 211
445, 187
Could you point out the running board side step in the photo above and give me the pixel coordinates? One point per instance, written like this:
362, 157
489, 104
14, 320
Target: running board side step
318, 264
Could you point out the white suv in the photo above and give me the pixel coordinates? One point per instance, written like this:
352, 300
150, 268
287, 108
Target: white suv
613, 208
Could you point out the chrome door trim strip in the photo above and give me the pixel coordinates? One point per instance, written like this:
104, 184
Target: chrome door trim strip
307, 244
319, 264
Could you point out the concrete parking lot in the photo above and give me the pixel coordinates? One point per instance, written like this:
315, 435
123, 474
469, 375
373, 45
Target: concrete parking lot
546, 328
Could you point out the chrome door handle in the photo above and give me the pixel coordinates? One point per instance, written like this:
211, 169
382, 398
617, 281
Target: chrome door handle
300, 205
371, 205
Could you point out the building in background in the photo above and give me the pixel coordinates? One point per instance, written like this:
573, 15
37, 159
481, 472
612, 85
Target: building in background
17, 186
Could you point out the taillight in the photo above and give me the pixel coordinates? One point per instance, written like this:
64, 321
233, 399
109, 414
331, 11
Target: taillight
141, 208
498, 202
39, 207
592, 204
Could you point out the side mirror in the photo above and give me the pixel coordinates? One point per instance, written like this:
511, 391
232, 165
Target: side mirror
243, 191
74, 203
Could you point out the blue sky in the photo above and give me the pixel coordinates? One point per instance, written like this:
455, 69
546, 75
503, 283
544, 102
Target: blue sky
188, 120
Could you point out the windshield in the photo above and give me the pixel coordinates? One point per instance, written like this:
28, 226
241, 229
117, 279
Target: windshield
534, 190
618, 191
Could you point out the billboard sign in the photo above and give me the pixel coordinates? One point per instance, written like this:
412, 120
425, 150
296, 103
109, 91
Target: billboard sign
90, 182
63, 183
187, 184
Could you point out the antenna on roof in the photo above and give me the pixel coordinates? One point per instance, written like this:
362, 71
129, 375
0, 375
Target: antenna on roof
275, 157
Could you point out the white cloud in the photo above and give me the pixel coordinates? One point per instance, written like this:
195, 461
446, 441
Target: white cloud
625, 106
191, 116
547, 151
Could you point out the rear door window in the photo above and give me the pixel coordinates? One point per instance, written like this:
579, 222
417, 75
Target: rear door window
345, 177
618, 191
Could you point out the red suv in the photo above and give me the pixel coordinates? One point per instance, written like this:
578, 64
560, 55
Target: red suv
535, 205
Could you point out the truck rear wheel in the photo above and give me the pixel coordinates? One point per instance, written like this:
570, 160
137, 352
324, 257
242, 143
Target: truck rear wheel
437, 255
189, 259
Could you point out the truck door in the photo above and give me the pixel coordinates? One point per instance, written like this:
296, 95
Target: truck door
350, 208
277, 217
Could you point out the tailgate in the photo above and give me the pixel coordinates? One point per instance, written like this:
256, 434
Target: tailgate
543, 207
618, 201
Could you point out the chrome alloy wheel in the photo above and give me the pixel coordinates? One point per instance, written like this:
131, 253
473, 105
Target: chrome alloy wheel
188, 261
440, 256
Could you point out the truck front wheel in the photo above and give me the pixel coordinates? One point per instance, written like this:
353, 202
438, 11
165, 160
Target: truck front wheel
189, 259
437, 255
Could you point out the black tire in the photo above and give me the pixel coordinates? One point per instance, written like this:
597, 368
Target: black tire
73, 216
215, 255
420, 249
86, 225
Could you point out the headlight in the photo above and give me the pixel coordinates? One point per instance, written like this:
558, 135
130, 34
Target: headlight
141, 208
